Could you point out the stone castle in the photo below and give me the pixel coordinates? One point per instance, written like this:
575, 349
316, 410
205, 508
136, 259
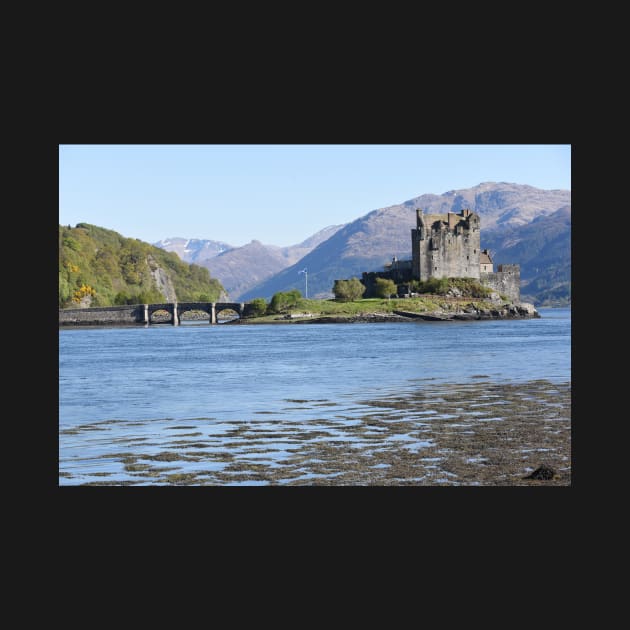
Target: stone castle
448, 246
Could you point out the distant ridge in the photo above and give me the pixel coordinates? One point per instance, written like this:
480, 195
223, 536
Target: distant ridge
193, 250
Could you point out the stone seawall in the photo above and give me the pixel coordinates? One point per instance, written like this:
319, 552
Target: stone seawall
132, 315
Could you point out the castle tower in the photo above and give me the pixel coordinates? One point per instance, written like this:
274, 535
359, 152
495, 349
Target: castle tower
446, 245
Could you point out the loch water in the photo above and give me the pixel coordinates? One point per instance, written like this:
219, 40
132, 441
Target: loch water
120, 386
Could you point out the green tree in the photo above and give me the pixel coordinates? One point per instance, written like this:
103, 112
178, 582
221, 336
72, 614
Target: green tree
348, 290
438, 286
278, 302
283, 301
121, 298
105, 263
147, 297
257, 307
71, 243
384, 287
65, 291
293, 297
340, 289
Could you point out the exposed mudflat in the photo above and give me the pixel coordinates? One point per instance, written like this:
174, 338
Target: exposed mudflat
478, 433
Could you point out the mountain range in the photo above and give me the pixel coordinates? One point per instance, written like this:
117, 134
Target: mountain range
520, 224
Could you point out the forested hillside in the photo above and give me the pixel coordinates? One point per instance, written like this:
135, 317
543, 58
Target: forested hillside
99, 267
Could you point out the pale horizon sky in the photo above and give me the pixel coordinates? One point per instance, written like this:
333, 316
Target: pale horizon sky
277, 194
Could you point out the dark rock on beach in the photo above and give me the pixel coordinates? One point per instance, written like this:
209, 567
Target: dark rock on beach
542, 472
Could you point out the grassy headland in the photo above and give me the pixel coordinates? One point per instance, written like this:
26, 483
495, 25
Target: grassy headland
374, 306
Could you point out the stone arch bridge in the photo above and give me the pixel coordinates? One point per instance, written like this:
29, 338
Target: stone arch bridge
142, 313
177, 309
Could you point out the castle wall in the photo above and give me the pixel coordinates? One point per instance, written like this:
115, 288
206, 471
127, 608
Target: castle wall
506, 281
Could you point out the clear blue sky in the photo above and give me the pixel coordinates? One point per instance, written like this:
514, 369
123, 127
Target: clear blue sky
277, 194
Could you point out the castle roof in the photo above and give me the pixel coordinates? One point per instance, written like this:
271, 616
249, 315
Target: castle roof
484, 258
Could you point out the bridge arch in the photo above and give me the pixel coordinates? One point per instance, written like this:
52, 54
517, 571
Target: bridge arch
187, 307
176, 309
228, 307
157, 314
225, 315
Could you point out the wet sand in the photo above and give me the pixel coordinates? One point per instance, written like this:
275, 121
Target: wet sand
478, 433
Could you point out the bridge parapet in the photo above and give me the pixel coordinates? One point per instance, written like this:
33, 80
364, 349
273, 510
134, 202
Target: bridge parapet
102, 316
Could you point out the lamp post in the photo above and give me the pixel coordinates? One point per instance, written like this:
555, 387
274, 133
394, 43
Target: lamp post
305, 272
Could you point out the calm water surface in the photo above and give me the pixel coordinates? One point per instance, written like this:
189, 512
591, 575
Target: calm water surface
146, 378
